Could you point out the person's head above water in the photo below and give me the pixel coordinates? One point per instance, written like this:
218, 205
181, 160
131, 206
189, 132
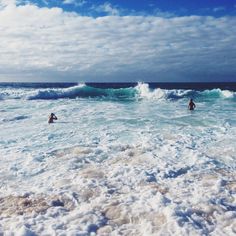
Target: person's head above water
51, 118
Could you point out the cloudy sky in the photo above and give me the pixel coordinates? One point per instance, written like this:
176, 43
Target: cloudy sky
117, 40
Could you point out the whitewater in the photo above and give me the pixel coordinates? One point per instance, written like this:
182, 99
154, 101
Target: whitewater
125, 161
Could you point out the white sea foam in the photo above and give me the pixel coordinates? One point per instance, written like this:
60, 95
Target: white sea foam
145, 92
143, 167
227, 94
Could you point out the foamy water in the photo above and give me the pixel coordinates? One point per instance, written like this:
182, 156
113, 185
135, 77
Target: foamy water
129, 161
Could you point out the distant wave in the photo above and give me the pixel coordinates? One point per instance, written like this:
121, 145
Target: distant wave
141, 91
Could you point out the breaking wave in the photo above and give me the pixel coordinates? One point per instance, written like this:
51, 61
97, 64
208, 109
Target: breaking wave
84, 91
141, 91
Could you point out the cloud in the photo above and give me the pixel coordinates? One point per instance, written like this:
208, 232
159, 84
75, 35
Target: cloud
106, 8
75, 2
53, 45
4, 3
69, 2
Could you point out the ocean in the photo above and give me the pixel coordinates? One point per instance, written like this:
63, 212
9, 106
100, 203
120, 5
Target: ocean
122, 159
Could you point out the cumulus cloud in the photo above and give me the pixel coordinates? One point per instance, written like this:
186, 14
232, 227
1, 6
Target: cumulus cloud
53, 45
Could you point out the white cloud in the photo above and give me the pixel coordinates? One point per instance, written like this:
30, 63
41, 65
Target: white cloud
107, 8
49, 44
75, 2
4, 3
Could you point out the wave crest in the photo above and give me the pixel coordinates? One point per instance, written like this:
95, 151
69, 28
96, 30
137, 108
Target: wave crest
84, 91
140, 91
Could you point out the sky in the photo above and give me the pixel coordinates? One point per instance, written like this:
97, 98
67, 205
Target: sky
117, 41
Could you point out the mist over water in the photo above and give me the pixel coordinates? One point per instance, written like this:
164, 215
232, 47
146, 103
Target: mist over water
126, 161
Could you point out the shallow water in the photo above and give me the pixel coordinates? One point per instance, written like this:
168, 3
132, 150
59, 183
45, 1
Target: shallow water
131, 161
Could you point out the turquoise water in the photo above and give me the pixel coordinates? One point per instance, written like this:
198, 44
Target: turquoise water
137, 146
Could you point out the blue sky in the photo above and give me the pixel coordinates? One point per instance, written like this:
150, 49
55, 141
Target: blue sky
215, 8
112, 41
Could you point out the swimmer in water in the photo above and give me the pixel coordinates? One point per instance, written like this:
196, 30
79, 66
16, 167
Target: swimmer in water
51, 119
191, 105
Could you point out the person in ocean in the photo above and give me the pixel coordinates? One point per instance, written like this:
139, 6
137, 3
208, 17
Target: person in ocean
51, 119
191, 105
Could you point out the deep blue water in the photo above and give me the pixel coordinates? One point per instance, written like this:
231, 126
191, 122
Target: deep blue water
196, 86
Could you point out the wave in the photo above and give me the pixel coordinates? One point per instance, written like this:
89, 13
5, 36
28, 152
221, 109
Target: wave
217, 93
141, 91
84, 91
145, 92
